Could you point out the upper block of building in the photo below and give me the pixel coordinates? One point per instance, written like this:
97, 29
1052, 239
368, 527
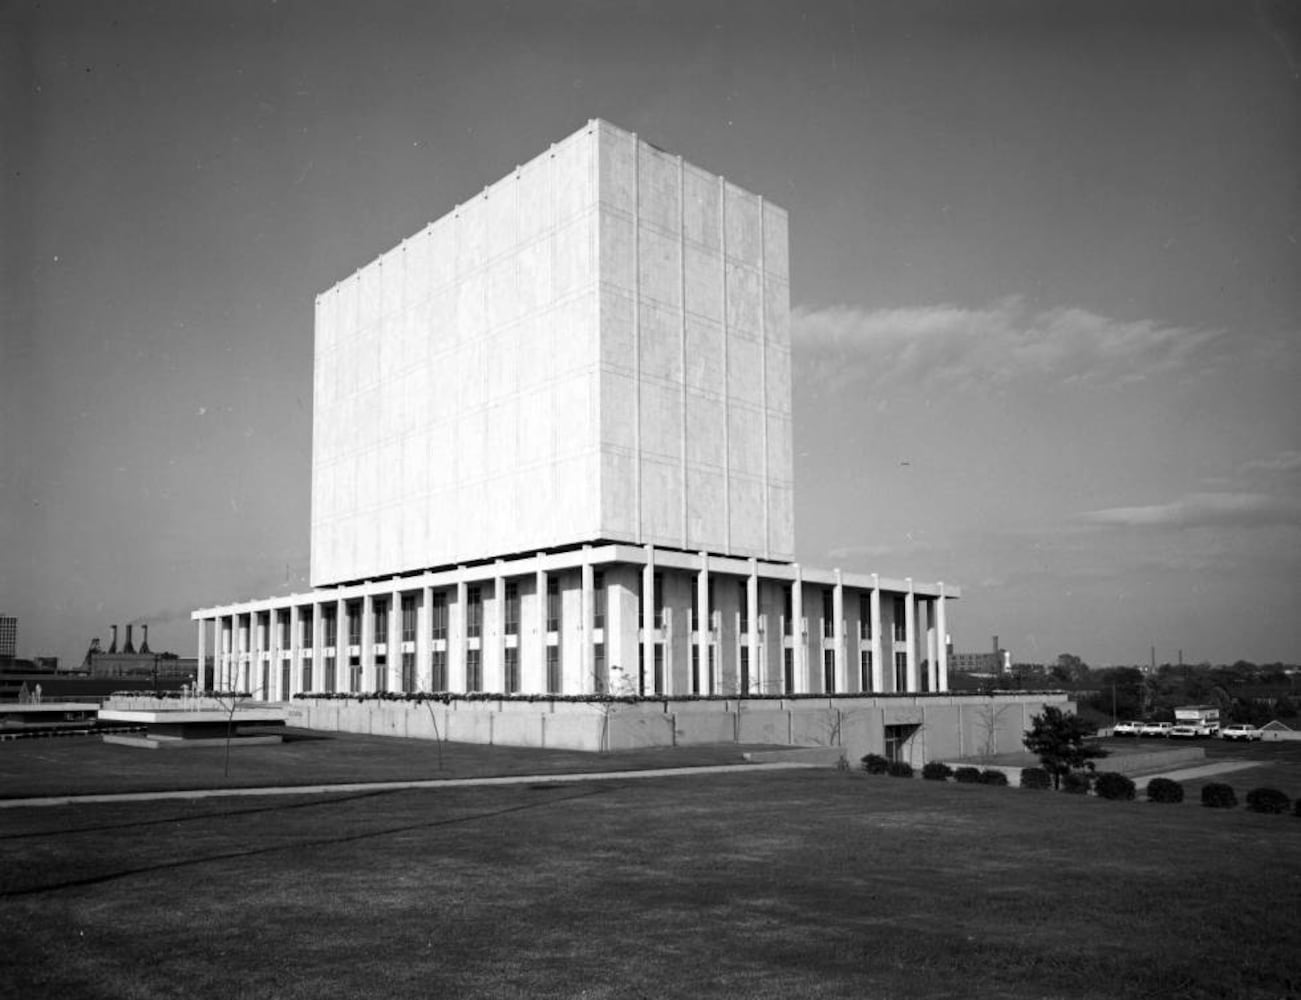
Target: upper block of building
597, 347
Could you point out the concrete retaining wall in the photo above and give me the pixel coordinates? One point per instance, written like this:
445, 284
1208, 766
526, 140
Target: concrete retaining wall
933, 727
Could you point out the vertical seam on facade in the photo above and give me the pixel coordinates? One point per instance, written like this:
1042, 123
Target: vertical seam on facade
727, 414
636, 336
763, 377
682, 342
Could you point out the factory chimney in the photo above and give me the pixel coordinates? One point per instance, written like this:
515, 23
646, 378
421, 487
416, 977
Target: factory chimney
129, 647
112, 646
144, 643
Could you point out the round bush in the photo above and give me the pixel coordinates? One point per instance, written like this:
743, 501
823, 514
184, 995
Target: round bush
1164, 790
1035, 777
1268, 800
936, 770
992, 777
874, 763
1110, 785
900, 769
967, 775
1075, 783
1216, 795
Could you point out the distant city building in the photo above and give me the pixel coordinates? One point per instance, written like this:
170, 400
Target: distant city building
552, 453
140, 663
997, 661
8, 637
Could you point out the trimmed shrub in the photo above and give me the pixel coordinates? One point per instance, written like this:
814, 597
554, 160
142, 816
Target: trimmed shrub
1111, 785
1268, 800
1164, 790
874, 763
967, 775
1216, 795
1075, 783
992, 777
900, 769
1035, 777
936, 770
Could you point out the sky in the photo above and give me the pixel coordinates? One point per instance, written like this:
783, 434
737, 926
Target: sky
1046, 307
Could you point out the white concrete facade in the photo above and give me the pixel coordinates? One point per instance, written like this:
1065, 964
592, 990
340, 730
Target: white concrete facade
595, 347
552, 454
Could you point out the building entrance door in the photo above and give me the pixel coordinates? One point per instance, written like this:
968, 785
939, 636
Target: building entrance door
898, 740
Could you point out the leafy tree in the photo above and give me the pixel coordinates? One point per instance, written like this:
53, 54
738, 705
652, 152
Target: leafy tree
1058, 738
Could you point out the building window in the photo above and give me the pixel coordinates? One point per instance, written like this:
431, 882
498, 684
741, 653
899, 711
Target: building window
598, 600
473, 612
743, 602
788, 608
512, 669
901, 671
438, 619
829, 671
438, 682
473, 670
381, 673
695, 668
408, 671
305, 634
380, 609
900, 620
331, 674
865, 670
745, 669
354, 625
512, 608
713, 661
354, 674
409, 619
598, 668
282, 620
553, 607
828, 612
788, 670
307, 675
865, 616
553, 669
658, 585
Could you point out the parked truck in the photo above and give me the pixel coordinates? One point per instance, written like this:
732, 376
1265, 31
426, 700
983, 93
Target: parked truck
1192, 721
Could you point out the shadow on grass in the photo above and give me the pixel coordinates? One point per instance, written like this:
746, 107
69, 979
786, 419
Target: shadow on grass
297, 845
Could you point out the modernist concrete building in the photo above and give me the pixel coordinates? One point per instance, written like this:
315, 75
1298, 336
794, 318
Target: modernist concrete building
552, 453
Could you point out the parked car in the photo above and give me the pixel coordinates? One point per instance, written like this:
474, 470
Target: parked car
1156, 729
1127, 729
1240, 731
1187, 731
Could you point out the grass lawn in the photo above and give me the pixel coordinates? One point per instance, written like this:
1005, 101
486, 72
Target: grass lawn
763, 885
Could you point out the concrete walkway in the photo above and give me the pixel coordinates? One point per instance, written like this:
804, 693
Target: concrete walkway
388, 786
1191, 773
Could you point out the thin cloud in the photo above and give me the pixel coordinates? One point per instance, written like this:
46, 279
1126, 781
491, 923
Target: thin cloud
1283, 462
996, 344
1201, 510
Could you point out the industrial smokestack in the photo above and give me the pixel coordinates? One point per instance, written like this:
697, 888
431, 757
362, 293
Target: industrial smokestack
129, 647
112, 646
144, 642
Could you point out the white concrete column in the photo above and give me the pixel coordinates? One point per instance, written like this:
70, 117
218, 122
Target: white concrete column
648, 620
588, 682
910, 635
295, 650
539, 672
494, 653
838, 613
752, 640
878, 668
318, 645
201, 678
932, 666
942, 626
799, 640
368, 640
702, 625
393, 643
341, 655
424, 642
457, 634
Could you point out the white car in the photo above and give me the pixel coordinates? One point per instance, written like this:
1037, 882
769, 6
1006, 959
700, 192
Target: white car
1240, 731
1156, 729
1187, 731
1127, 729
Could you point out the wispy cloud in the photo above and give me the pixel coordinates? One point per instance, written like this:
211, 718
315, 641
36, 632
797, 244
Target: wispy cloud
1201, 510
996, 344
1283, 462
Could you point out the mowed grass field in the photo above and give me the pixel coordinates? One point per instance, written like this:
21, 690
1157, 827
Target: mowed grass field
766, 885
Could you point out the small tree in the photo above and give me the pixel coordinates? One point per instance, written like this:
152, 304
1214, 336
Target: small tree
1058, 738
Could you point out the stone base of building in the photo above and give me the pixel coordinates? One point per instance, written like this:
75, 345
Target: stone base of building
912, 728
